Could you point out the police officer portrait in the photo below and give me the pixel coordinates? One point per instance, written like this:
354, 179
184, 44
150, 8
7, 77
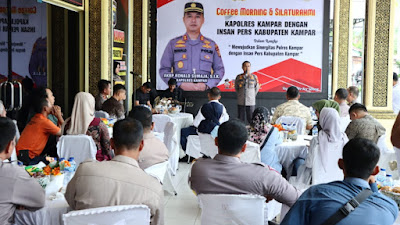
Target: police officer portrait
192, 59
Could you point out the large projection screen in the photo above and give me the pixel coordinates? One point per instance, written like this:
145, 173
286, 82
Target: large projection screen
283, 40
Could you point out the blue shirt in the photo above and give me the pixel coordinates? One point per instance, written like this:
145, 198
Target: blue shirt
268, 153
320, 202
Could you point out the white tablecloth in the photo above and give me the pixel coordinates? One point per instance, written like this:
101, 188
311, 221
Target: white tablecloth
182, 120
288, 151
50, 214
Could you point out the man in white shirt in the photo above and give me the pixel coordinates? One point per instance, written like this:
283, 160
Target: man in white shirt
214, 94
396, 94
340, 97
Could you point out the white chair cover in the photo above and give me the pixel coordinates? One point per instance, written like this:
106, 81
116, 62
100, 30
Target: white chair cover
382, 145
207, 144
300, 123
344, 122
193, 147
112, 215
158, 170
172, 143
223, 209
160, 121
161, 171
333, 172
81, 147
252, 153
101, 114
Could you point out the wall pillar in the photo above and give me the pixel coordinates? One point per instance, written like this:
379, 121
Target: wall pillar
379, 62
342, 44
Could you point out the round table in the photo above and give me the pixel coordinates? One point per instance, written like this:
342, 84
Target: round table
51, 213
288, 151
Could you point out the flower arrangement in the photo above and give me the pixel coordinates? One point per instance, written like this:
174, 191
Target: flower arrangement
279, 127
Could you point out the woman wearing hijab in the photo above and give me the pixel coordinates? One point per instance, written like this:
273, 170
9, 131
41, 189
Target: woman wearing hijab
330, 138
212, 112
82, 121
323, 103
267, 136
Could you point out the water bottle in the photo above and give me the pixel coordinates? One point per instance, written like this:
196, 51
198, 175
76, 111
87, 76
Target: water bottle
381, 177
388, 181
315, 131
73, 163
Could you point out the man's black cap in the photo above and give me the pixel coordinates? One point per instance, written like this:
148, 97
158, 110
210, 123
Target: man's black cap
194, 7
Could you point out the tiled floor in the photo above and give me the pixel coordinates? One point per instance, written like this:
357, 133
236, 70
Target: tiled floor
182, 209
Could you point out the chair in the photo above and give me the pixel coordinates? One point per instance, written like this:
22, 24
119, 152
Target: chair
81, 147
101, 114
207, 145
382, 145
161, 171
252, 153
193, 148
300, 122
223, 209
112, 215
344, 122
332, 173
160, 121
171, 141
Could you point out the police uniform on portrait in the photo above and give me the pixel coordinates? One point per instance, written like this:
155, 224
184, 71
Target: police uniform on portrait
187, 57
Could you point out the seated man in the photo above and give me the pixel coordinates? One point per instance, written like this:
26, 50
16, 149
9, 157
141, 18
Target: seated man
214, 95
154, 150
353, 95
113, 106
226, 174
359, 164
35, 137
173, 92
293, 108
143, 95
363, 125
104, 87
18, 189
340, 97
119, 181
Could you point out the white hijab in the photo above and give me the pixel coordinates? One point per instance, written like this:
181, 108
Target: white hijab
330, 137
82, 113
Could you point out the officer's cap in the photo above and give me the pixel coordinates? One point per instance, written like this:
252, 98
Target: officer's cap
194, 7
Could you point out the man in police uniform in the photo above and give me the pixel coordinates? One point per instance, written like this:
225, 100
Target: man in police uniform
246, 86
192, 54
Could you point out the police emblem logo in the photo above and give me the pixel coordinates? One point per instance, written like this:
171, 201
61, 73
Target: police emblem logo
180, 64
207, 56
206, 46
193, 5
201, 38
185, 37
184, 56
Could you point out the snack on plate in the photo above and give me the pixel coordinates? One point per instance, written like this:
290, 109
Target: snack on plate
396, 190
386, 188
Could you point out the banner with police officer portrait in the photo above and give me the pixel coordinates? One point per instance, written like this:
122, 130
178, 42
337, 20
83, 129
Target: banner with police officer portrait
283, 40
29, 41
